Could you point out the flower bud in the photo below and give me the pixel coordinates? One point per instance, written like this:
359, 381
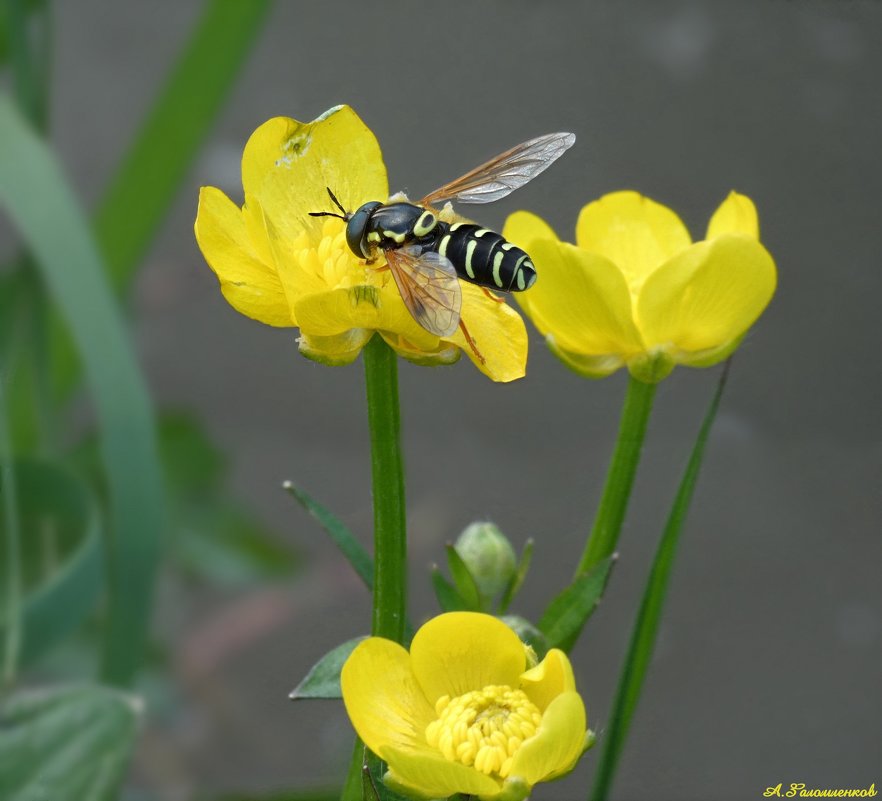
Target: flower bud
489, 557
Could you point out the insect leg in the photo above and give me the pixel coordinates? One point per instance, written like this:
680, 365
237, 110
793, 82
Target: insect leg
490, 295
472, 345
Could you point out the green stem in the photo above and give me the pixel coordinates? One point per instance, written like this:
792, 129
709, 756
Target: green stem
390, 533
352, 789
620, 476
12, 526
646, 626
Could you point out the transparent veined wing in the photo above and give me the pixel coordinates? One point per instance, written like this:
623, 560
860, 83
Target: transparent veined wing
429, 287
502, 175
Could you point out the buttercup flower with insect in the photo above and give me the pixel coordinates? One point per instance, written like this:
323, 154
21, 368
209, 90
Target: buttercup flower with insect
398, 269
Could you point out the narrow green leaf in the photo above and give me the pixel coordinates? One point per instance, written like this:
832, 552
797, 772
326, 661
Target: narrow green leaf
646, 626
323, 679
145, 184
66, 744
567, 613
517, 580
60, 559
463, 580
35, 193
448, 598
356, 554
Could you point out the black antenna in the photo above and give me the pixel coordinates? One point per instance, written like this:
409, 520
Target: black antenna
344, 216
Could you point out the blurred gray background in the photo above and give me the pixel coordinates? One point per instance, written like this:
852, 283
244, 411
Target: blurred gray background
768, 664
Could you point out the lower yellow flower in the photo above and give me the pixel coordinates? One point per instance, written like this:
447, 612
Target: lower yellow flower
466, 711
279, 265
635, 291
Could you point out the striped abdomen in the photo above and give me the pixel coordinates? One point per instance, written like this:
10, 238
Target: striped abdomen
484, 257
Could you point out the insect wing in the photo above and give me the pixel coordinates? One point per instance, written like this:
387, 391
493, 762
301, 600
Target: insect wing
429, 287
505, 173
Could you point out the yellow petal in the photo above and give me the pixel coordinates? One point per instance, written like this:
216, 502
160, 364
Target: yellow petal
557, 744
428, 775
708, 295
582, 300
736, 215
551, 677
458, 652
250, 286
498, 332
288, 166
335, 311
635, 233
523, 227
382, 697
336, 350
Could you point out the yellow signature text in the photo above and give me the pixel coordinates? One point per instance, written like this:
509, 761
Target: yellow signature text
799, 790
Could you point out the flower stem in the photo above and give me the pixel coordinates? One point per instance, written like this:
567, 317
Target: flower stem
390, 533
620, 476
646, 625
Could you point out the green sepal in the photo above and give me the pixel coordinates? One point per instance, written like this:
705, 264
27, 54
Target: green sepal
528, 633
323, 679
567, 613
69, 743
517, 580
464, 581
651, 368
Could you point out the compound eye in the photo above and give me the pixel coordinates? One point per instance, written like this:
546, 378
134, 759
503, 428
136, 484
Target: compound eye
426, 222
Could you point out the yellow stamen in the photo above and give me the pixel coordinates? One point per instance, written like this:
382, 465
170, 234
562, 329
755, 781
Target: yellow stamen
484, 728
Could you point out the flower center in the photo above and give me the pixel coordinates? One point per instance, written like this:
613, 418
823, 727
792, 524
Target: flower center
329, 258
484, 728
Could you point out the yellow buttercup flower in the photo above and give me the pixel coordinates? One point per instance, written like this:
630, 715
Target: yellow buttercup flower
282, 267
468, 710
635, 291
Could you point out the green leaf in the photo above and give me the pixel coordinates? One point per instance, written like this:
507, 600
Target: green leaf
356, 554
61, 563
448, 598
517, 580
463, 580
66, 744
646, 626
567, 613
146, 182
323, 679
34, 191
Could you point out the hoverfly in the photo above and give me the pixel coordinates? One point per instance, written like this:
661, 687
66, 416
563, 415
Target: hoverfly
427, 256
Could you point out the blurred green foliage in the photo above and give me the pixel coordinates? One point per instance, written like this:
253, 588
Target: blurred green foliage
87, 518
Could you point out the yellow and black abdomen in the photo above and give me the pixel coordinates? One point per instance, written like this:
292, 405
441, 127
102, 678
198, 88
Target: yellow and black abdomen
483, 257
